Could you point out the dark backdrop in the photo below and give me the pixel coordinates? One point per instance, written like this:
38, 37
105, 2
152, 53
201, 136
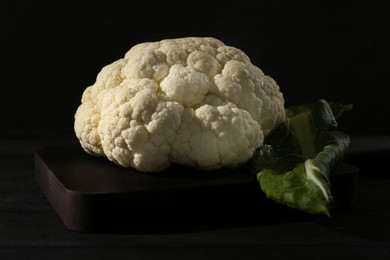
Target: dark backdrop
337, 50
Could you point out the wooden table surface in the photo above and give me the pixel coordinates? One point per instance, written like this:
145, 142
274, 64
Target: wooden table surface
30, 228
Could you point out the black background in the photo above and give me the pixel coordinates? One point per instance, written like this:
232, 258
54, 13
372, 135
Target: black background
336, 50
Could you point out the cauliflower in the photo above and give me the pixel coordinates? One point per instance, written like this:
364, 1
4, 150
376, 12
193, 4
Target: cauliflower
191, 101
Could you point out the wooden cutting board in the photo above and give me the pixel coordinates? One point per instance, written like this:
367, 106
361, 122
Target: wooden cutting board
92, 194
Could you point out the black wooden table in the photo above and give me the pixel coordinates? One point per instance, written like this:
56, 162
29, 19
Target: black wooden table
30, 228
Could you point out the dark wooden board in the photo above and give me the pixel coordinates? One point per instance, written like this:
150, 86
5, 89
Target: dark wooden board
92, 194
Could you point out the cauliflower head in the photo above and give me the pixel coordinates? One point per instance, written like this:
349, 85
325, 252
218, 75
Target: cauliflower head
191, 101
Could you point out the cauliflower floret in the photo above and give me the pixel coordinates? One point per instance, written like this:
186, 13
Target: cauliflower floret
217, 134
191, 101
185, 85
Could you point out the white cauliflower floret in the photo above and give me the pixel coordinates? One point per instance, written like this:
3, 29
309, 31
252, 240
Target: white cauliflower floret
185, 85
191, 101
217, 134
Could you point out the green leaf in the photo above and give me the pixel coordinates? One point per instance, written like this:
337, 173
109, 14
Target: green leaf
295, 190
295, 162
320, 113
306, 187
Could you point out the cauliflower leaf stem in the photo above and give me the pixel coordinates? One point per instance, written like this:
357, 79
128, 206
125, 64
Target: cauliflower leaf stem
294, 165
